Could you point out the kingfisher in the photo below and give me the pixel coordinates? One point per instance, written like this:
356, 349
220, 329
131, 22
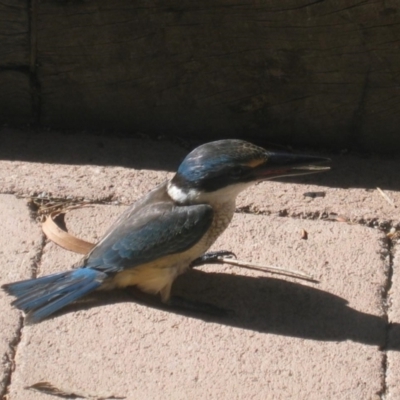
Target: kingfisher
167, 231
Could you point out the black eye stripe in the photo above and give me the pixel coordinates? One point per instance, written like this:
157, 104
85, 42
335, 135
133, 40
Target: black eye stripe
217, 179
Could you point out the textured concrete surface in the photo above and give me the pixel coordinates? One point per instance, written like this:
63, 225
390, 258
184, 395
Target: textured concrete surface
286, 339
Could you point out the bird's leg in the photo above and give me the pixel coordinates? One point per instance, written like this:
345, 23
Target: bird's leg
176, 302
212, 257
182, 303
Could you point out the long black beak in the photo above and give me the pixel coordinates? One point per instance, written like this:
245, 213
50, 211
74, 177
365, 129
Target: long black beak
287, 164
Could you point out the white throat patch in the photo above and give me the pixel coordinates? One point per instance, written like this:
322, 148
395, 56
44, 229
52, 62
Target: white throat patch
182, 196
194, 196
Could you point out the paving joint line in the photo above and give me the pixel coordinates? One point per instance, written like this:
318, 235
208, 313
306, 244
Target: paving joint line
21, 323
386, 303
38, 258
11, 356
373, 223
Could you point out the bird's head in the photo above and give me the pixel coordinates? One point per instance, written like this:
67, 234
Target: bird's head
224, 168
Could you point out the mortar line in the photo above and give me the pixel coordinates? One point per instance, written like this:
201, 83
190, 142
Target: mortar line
373, 223
11, 357
386, 307
20, 327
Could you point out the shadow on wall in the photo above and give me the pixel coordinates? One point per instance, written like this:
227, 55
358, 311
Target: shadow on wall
347, 171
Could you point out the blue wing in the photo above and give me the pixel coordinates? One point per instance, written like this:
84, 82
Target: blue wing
149, 229
147, 234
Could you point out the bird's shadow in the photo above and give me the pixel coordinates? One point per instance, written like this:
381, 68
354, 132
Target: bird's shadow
274, 306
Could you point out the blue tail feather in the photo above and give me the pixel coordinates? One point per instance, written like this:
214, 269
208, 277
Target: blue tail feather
42, 297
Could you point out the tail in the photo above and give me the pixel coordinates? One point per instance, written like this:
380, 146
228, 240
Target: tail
41, 297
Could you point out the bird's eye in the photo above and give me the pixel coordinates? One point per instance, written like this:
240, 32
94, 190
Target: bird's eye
236, 172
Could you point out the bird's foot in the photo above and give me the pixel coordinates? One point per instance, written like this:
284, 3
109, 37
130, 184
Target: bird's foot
182, 303
212, 257
178, 303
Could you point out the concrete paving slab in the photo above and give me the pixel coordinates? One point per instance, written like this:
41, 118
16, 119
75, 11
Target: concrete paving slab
20, 244
286, 340
122, 169
393, 357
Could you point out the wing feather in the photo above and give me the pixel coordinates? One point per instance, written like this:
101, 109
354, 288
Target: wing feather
156, 230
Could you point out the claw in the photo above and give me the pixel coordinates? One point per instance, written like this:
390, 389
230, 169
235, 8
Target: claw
213, 257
